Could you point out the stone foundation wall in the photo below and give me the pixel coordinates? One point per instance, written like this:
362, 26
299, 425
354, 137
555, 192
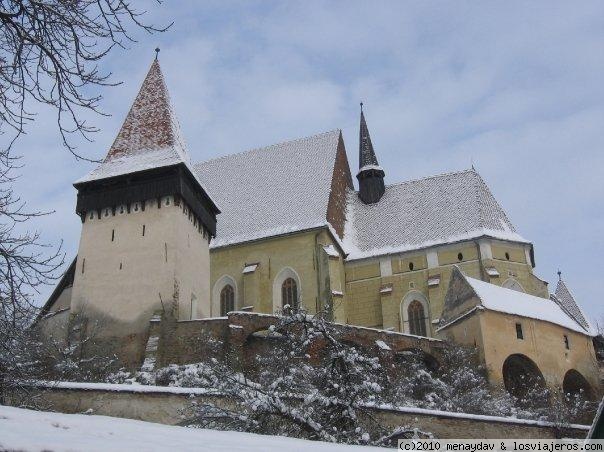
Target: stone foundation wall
172, 406
183, 342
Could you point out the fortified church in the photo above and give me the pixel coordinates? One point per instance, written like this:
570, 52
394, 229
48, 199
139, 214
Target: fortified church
202, 243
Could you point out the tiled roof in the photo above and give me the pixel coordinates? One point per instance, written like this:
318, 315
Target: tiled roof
367, 157
425, 212
150, 136
567, 302
510, 301
273, 190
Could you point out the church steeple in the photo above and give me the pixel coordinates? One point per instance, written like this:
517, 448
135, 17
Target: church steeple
151, 123
371, 174
147, 160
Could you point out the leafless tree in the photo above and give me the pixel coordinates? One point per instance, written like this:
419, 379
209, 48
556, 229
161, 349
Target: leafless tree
25, 265
49, 54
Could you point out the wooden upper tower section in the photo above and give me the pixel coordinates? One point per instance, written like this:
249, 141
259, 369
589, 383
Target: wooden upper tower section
148, 159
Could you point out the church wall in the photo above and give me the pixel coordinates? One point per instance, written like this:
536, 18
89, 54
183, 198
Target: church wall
466, 332
295, 251
515, 252
376, 287
63, 301
543, 343
123, 276
450, 254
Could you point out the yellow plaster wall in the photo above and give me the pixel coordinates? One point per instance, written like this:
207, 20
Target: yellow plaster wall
296, 251
515, 251
543, 343
448, 255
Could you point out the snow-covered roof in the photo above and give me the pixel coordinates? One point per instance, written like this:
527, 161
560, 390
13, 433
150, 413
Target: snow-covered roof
150, 136
500, 299
564, 298
273, 190
420, 213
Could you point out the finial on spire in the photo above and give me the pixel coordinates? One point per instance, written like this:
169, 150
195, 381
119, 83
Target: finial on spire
361, 107
559, 275
157, 49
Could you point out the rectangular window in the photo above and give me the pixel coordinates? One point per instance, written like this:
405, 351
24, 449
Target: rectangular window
143, 230
566, 343
193, 306
112, 235
519, 334
83, 265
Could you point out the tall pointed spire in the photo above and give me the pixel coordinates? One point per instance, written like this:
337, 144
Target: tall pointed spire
147, 160
151, 124
371, 174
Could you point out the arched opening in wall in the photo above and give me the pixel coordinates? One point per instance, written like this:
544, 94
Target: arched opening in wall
417, 318
521, 376
219, 295
512, 284
227, 300
575, 386
289, 294
287, 290
415, 314
260, 349
416, 357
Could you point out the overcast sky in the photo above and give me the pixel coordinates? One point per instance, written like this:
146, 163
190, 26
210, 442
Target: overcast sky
514, 87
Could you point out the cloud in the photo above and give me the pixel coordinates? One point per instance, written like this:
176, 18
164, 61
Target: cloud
513, 87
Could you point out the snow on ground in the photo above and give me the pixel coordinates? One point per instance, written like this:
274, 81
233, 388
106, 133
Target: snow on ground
27, 430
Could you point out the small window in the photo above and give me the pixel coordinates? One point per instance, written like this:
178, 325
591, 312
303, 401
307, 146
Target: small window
459, 256
566, 343
289, 294
143, 230
519, 333
507, 255
417, 318
83, 265
411, 285
411, 266
227, 300
112, 235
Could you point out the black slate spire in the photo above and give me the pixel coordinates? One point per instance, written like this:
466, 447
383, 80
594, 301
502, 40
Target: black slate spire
370, 175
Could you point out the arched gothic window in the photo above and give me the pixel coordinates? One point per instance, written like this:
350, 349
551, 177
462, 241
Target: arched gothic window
417, 318
289, 293
227, 300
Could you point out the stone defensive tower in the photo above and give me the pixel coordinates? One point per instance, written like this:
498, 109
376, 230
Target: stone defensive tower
146, 226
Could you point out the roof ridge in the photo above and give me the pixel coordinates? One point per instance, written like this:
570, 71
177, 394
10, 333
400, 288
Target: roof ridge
478, 184
280, 143
434, 176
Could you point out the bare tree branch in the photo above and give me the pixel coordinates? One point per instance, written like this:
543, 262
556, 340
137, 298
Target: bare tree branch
49, 54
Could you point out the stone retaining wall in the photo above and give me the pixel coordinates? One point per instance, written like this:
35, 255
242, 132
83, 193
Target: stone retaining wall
172, 405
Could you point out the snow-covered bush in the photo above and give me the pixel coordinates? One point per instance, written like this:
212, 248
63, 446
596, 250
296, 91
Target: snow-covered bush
322, 397
458, 383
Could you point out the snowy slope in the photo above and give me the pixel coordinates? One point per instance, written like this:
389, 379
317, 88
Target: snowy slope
27, 430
